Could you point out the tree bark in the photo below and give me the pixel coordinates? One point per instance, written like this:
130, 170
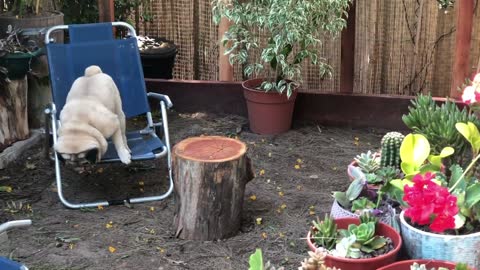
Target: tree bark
210, 175
13, 113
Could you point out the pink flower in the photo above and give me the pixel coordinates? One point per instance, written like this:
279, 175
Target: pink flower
469, 95
430, 204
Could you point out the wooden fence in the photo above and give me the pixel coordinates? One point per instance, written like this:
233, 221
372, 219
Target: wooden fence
401, 46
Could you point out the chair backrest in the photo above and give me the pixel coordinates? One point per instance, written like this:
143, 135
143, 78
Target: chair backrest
94, 44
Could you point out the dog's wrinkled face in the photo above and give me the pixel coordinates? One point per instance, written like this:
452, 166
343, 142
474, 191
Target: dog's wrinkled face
79, 159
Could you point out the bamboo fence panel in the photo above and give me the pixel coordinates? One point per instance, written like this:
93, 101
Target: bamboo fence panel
402, 47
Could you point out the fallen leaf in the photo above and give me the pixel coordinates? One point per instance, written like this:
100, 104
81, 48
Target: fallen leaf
71, 246
6, 189
299, 187
297, 166
283, 206
100, 170
262, 172
141, 190
253, 197
264, 235
313, 176
259, 221
281, 235
141, 183
100, 207
109, 225
281, 194
30, 166
299, 161
112, 249
269, 154
152, 208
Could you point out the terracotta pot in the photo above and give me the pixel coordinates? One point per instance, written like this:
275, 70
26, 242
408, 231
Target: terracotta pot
362, 264
269, 113
405, 265
426, 245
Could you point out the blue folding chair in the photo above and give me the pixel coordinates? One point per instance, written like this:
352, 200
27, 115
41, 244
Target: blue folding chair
95, 44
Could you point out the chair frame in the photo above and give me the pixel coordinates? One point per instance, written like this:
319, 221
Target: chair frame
165, 103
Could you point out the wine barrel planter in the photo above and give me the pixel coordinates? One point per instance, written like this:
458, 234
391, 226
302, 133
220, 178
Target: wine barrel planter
45, 20
158, 63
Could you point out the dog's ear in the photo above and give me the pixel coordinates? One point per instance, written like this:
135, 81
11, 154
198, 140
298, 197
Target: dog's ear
92, 155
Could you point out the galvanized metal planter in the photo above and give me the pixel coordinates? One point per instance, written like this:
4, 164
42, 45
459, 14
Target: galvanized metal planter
454, 248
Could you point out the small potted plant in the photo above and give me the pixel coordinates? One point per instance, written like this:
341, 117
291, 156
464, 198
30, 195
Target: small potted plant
355, 243
424, 265
16, 53
292, 32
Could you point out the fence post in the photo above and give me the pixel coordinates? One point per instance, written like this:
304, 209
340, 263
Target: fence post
463, 38
347, 65
106, 11
225, 72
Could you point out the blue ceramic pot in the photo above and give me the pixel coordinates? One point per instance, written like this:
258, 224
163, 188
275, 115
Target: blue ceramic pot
455, 248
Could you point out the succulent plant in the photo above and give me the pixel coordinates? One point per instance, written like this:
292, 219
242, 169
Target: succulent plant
325, 234
361, 204
437, 123
316, 261
365, 238
416, 266
346, 198
368, 162
391, 149
368, 217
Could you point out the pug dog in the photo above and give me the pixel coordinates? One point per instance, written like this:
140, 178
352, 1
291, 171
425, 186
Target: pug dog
91, 115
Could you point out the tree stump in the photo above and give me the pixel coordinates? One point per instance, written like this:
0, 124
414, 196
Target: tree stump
13, 113
210, 175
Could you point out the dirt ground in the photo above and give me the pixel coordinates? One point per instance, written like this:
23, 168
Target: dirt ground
285, 196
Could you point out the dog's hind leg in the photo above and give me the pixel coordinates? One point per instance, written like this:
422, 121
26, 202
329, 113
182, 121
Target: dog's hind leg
122, 151
123, 129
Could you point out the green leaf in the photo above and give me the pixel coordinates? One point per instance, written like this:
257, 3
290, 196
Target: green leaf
256, 260
414, 150
342, 199
472, 195
355, 189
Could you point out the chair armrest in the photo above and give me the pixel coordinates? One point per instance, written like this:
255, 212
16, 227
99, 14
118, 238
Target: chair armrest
161, 97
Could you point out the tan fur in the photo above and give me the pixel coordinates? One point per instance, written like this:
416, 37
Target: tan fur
92, 114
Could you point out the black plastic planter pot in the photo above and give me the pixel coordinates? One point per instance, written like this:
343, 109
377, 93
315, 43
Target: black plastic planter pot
158, 63
18, 64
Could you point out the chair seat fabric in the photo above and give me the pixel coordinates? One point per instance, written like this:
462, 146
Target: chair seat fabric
143, 147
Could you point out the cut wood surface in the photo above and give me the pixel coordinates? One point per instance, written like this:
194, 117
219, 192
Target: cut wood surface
210, 174
13, 113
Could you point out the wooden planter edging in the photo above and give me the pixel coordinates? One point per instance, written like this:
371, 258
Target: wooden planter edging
335, 109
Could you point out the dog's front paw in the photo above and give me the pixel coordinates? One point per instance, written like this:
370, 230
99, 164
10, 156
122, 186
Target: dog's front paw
125, 156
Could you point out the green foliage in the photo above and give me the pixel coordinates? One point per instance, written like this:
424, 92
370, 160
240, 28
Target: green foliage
437, 123
345, 199
368, 162
80, 11
445, 4
325, 234
256, 262
368, 217
294, 29
362, 204
391, 149
365, 238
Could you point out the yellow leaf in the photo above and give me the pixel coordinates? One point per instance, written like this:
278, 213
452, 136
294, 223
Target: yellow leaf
112, 249
161, 250
264, 235
253, 197
100, 207
152, 208
100, 170
299, 161
279, 210
152, 231
71, 246
141, 183
109, 225
297, 166
283, 206
334, 168
141, 190
259, 221
281, 194
262, 172
6, 189
311, 212
356, 139
269, 154
281, 235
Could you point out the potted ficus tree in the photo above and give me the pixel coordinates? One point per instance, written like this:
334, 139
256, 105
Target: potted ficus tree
284, 33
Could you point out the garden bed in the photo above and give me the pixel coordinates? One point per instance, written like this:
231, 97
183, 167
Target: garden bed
285, 196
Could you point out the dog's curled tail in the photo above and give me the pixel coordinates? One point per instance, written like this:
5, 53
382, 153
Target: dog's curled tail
92, 70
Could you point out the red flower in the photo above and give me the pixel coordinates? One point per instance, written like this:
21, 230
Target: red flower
430, 204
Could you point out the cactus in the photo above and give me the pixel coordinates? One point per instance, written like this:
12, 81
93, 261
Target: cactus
367, 162
391, 149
